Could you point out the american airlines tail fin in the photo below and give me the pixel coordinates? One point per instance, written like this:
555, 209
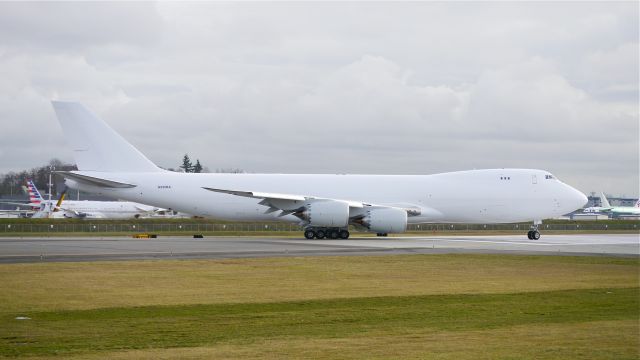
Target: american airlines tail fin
603, 201
34, 195
95, 145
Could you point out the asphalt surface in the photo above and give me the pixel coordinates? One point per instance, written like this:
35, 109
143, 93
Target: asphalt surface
37, 249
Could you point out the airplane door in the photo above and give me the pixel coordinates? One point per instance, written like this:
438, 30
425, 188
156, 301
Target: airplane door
534, 179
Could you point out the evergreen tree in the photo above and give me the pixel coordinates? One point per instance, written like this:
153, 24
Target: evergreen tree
197, 168
186, 164
12, 182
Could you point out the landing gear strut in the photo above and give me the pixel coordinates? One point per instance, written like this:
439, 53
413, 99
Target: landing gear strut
330, 233
534, 234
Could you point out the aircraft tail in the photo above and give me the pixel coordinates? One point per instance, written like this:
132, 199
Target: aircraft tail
603, 201
60, 200
638, 203
34, 195
95, 145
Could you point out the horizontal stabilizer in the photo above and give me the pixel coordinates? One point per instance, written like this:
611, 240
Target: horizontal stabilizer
94, 181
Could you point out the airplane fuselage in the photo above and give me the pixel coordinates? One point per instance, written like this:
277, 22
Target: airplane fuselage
95, 209
474, 196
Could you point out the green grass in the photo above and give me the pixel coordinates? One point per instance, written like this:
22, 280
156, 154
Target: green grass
73, 286
388, 307
68, 332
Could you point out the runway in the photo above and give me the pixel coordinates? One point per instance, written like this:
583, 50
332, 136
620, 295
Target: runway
36, 249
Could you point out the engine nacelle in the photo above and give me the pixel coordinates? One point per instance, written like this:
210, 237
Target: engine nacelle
386, 220
327, 213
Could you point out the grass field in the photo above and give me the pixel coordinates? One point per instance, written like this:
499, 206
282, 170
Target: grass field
408, 306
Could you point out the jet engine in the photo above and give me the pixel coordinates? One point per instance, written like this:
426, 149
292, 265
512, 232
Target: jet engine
385, 220
326, 213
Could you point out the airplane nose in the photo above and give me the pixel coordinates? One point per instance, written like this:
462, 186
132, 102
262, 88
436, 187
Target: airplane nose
576, 198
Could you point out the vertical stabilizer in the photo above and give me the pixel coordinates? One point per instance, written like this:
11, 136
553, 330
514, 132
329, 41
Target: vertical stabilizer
34, 195
95, 145
603, 201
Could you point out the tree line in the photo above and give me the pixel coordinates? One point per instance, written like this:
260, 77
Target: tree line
11, 183
189, 167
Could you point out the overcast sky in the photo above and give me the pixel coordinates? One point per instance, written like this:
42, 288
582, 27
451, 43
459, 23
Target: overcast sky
388, 88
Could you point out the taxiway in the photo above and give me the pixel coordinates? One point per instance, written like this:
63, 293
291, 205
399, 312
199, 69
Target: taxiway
34, 249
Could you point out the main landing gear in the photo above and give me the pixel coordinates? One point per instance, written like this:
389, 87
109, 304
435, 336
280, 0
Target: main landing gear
329, 233
534, 234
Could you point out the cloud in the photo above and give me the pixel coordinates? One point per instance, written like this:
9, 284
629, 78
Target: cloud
338, 87
55, 26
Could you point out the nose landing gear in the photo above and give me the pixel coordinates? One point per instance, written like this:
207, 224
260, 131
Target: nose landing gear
534, 234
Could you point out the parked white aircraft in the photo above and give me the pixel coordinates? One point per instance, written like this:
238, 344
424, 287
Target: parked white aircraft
604, 205
614, 211
325, 204
84, 208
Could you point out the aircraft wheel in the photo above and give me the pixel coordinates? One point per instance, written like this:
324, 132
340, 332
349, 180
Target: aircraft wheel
320, 234
309, 234
529, 235
333, 234
535, 235
344, 234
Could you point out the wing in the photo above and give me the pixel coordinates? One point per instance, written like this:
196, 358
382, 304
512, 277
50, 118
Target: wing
71, 212
21, 204
286, 203
296, 204
147, 208
17, 212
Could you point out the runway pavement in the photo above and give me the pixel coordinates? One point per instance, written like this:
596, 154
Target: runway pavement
36, 249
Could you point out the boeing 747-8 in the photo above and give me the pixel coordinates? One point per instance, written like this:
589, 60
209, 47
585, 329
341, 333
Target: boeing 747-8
325, 205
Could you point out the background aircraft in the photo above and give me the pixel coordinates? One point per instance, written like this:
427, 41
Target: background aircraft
614, 211
604, 205
324, 204
84, 208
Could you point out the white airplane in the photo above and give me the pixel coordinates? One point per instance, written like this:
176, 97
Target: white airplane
85, 208
324, 204
615, 211
604, 206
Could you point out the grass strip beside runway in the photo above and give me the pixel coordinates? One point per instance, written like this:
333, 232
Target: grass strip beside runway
69, 332
421, 306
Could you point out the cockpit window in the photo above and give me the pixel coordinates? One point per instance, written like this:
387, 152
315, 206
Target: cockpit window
549, 176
